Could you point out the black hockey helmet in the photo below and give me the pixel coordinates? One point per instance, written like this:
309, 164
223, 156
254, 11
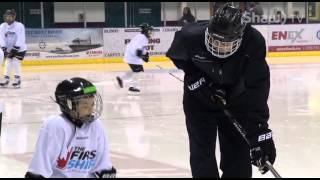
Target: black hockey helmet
224, 33
79, 100
9, 16
146, 29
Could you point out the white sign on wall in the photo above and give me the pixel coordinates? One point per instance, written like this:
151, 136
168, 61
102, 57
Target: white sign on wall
115, 40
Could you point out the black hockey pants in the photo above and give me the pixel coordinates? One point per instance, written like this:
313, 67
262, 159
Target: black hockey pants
203, 125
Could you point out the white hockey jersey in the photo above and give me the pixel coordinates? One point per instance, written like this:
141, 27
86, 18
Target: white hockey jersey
66, 151
13, 35
140, 41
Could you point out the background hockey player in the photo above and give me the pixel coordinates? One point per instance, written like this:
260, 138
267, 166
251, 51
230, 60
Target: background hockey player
73, 144
135, 53
224, 58
13, 44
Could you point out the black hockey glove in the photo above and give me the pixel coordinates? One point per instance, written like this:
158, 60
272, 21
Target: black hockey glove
203, 88
5, 52
145, 57
139, 52
262, 149
13, 52
106, 173
31, 175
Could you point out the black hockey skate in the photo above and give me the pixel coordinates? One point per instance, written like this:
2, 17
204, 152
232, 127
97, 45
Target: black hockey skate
17, 84
120, 82
133, 91
5, 83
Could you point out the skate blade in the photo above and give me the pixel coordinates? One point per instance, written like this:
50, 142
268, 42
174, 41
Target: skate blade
16, 87
133, 93
4, 86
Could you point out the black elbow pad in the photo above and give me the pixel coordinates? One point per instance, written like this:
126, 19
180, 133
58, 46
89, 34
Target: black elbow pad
139, 52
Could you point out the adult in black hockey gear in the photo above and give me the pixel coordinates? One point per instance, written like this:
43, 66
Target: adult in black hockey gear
224, 58
69, 93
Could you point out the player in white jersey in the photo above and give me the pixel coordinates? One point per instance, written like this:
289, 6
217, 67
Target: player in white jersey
73, 144
135, 53
13, 44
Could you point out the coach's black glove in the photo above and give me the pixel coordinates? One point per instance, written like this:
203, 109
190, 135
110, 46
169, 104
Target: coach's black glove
262, 149
5, 52
106, 173
13, 52
203, 88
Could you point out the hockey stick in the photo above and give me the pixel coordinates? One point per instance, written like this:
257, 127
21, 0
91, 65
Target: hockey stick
243, 133
168, 72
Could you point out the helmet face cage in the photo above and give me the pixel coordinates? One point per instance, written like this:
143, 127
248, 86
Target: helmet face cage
219, 48
146, 29
148, 32
84, 108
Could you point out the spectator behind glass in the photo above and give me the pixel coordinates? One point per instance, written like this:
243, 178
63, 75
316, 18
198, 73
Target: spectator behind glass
187, 17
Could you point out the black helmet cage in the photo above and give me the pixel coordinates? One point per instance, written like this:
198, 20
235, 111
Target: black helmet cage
146, 29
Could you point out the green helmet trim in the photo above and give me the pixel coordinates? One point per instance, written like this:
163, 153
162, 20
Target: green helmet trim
89, 90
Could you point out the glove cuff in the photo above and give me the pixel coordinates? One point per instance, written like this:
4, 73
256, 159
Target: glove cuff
260, 137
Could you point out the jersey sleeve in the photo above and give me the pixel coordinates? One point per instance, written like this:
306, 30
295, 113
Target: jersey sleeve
21, 36
179, 53
103, 159
144, 48
46, 152
142, 44
257, 82
178, 50
2, 36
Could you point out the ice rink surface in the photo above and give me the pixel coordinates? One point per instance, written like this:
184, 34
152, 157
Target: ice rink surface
147, 133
